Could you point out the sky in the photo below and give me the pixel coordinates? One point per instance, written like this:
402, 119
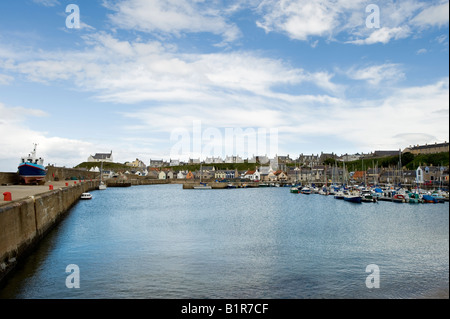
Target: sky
180, 79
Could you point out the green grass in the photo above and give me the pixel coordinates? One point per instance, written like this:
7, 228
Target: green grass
117, 167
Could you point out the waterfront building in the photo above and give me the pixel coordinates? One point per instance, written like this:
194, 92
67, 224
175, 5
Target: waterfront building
162, 175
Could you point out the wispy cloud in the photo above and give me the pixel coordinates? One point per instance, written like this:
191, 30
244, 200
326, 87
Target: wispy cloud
173, 17
47, 3
387, 74
345, 21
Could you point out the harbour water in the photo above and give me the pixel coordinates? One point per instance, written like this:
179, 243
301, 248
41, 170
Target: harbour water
166, 242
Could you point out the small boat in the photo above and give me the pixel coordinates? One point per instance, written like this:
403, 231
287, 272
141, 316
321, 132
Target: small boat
414, 198
306, 190
353, 198
429, 199
367, 197
438, 196
339, 195
86, 196
230, 185
294, 190
399, 198
202, 186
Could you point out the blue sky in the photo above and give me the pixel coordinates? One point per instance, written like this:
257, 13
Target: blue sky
139, 77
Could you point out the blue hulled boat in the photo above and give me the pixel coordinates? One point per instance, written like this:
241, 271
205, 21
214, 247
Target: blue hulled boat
31, 168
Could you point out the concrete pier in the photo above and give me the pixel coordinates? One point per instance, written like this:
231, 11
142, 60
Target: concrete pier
33, 212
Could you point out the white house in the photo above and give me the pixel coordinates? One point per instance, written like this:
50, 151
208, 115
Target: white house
101, 157
253, 175
181, 175
162, 175
233, 159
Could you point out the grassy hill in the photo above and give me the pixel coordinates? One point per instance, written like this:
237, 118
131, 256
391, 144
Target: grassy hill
117, 167
410, 161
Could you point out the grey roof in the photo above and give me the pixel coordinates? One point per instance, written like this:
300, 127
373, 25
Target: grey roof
102, 155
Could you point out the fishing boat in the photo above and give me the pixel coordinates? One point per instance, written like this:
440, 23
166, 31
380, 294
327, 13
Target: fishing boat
353, 198
429, 199
31, 169
86, 196
414, 198
306, 190
439, 196
399, 198
231, 185
368, 197
339, 195
294, 190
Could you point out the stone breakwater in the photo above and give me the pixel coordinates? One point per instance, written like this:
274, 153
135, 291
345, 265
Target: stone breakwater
24, 222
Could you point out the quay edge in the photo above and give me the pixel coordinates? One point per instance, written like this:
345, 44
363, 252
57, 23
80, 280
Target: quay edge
25, 222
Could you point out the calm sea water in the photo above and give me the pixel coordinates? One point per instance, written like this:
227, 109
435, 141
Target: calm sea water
166, 242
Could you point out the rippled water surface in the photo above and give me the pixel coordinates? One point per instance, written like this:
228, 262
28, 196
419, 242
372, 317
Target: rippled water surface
166, 242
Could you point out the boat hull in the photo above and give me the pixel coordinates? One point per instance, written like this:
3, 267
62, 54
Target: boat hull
353, 199
31, 173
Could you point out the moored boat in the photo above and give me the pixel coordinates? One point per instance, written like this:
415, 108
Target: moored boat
306, 190
86, 196
353, 198
399, 198
31, 169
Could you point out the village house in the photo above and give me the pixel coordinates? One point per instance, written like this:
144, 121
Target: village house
101, 157
190, 175
281, 176
264, 173
156, 163
181, 175
253, 175
308, 160
173, 162
162, 175
213, 160
233, 159
136, 163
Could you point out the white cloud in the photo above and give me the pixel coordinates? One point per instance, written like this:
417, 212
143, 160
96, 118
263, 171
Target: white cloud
17, 140
421, 51
346, 20
384, 35
387, 73
172, 17
436, 15
130, 72
47, 3
5, 79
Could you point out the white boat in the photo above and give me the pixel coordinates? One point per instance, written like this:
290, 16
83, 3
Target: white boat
86, 196
306, 190
202, 186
